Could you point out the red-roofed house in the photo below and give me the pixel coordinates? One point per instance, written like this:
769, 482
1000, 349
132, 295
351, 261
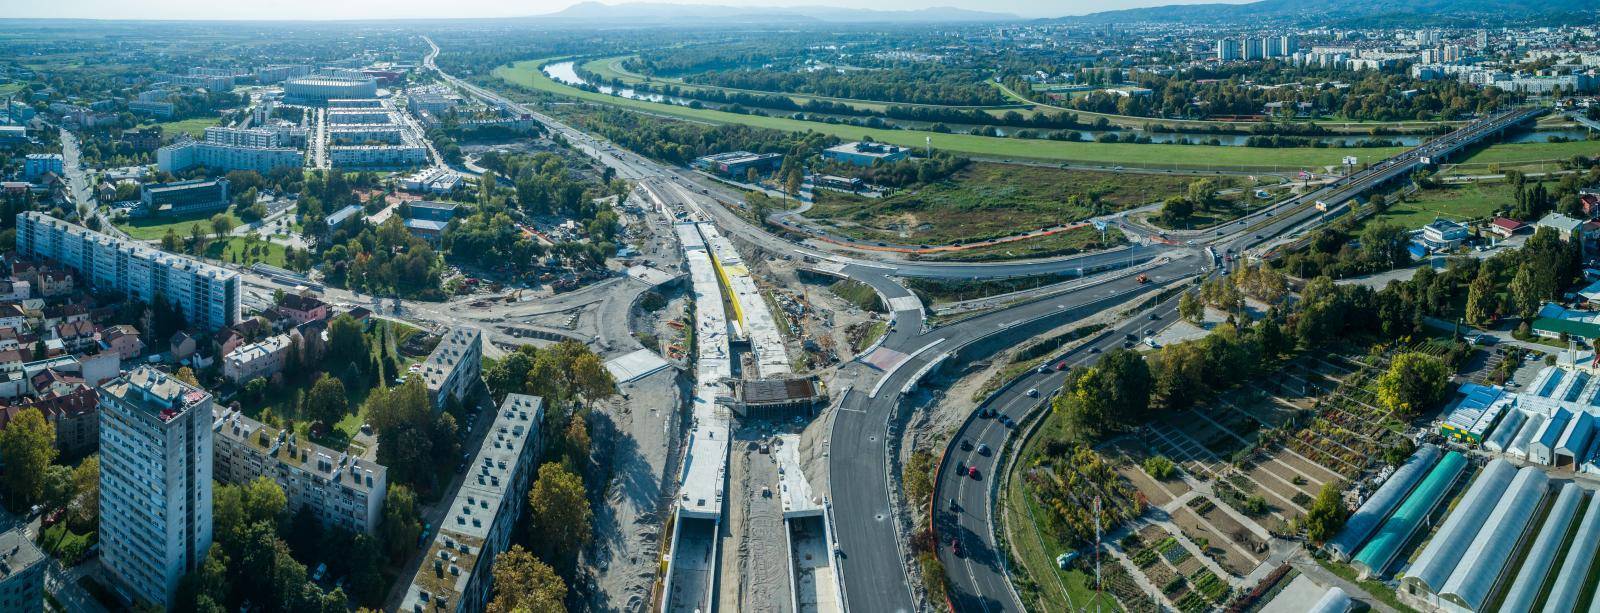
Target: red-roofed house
1506, 227
122, 340
303, 308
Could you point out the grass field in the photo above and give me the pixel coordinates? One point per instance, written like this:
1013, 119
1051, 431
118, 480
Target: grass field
989, 200
986, 201
1198, 157
237, 250
1526, 152
195, 126
153, 228
611, 68
1456, 203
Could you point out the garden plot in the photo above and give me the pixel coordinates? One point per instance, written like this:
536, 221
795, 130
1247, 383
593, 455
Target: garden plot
1219, 546
1192, 456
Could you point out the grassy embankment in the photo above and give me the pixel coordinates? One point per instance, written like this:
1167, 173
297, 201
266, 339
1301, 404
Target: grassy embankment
1199, 157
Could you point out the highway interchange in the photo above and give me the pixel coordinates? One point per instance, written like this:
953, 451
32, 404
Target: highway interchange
873, 559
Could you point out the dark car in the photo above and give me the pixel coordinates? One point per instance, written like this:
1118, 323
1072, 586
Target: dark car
966, 445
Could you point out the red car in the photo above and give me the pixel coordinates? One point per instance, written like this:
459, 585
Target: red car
955, 546
972, 472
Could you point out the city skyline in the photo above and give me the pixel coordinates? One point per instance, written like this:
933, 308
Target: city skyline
306, 10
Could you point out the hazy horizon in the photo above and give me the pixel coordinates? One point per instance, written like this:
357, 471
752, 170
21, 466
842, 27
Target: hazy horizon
304, 10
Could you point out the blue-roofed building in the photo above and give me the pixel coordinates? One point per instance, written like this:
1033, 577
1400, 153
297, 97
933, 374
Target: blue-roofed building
1477, 408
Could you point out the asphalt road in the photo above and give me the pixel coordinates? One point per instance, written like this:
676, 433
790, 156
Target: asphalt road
873, 565
978, 581
872, 560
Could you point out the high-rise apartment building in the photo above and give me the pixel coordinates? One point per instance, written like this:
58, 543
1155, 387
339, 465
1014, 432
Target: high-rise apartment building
155, 481
208, 296
1228, 50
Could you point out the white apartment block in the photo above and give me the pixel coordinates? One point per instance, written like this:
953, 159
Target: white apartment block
155, 482
242, 137
341, 490
366, 134
207, 296
278, 73
455, 364
259, 359
455, 575
378, 156
345, 116
183, 156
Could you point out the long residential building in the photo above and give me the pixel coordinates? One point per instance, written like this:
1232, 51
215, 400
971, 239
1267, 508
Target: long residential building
455, 575
208, 296
182, 156
341, 490
455, 364
242, 137
155, 482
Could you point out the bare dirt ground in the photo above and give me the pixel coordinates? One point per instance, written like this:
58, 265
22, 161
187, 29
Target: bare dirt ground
640, 429
755, 560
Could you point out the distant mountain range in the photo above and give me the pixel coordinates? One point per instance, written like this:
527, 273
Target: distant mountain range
633, 13
1345, 10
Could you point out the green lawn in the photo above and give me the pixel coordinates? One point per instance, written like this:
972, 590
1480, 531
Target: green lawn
1528, 152
280, 401
195, 127
527, 74
986, 201
611, 68
1456, 203
153, 228
238, 250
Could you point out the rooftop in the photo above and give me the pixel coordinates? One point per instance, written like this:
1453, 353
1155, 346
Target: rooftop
334, 466
153, 391
453, 555
17, 553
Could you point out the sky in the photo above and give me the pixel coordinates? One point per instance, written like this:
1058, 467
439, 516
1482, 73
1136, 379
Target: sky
370, 9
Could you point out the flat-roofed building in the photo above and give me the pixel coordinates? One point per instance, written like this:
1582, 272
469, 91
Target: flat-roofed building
737, 164
455, 575
155, 482
454, 366
21, 572
407, 155
208, 296
865, 153
259, 359
184, 198
242, 137
179, 157
341, 490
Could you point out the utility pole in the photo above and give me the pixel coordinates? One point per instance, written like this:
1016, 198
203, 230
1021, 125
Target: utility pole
1097, 584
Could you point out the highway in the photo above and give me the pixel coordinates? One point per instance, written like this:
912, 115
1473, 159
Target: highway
978, 577
874, 561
